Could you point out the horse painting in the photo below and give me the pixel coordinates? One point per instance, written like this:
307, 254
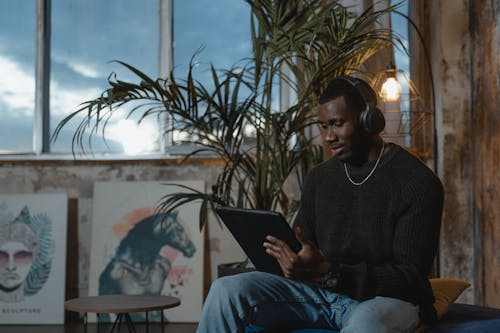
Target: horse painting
137, 267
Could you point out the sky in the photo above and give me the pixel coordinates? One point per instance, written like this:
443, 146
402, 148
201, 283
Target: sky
86, 35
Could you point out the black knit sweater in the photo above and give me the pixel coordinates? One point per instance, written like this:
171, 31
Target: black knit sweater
384, 233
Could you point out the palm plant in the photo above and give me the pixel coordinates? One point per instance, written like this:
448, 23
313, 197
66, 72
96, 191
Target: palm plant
314, 39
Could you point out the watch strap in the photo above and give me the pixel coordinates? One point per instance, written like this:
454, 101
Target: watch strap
330, 280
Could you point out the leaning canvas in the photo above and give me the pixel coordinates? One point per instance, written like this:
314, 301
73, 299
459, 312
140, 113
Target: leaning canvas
32, 258
136, 251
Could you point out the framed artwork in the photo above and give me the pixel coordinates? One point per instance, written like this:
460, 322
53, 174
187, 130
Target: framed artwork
32, 258
135, 251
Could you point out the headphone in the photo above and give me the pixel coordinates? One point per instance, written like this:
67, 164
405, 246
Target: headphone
371, 118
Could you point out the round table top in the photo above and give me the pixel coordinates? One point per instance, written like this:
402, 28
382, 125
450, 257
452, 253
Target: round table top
121, 303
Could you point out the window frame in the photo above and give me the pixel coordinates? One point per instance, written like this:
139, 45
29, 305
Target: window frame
41, 122
41, 146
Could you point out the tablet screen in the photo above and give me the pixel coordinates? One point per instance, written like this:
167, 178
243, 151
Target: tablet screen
250, 227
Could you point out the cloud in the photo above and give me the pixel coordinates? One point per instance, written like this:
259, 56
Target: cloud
64, 101
84, 70
17, 86
135, 138
17, 91
78, 67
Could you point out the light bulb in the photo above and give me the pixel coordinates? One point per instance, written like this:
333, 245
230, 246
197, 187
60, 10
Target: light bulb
391, 90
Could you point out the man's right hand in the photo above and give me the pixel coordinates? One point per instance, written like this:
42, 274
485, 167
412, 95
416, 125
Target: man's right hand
308, 264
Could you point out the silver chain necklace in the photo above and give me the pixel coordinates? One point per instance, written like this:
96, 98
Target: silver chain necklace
371, 172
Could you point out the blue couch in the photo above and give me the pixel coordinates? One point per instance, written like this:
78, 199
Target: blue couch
460, 318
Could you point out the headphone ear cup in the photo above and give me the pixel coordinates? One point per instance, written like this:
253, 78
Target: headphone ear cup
372, 120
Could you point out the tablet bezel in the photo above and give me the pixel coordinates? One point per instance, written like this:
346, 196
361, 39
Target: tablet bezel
250, 227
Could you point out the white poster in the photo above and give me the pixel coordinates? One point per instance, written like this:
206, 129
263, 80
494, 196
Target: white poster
32, 258
136, 251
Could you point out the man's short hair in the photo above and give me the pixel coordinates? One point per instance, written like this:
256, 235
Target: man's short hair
354, 100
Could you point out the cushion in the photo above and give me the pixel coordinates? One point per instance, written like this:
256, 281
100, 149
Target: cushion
446, 291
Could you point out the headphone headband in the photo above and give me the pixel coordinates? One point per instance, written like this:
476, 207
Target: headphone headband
363, 88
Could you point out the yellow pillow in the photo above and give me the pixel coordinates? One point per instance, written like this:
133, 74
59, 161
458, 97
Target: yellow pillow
446, 291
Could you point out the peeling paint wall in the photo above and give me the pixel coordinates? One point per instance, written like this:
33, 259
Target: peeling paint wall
485, 31
465, 48
450, 53
77, 180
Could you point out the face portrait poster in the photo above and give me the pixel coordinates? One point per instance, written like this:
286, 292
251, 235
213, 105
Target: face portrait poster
137, 251
32, 258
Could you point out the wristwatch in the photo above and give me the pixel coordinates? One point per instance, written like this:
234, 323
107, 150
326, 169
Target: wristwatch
330, 280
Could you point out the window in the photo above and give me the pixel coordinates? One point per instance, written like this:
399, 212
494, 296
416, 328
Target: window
84, 37
223, 43
400, 26
17, 75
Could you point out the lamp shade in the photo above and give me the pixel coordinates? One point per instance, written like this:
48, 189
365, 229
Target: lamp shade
408, 119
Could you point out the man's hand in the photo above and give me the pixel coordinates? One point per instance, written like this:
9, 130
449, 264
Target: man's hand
307, 264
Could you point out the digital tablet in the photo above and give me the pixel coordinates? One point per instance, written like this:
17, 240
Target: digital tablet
250, 228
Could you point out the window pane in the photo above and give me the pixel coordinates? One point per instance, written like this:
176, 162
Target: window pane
402, 63
221, 28
400, 26
86, 36
17, 75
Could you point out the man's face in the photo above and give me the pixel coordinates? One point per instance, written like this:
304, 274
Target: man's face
339, 129
15, 264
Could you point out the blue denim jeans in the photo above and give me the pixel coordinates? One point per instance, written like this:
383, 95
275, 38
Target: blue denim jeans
271, 301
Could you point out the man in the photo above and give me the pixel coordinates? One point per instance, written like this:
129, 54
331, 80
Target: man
369, 226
